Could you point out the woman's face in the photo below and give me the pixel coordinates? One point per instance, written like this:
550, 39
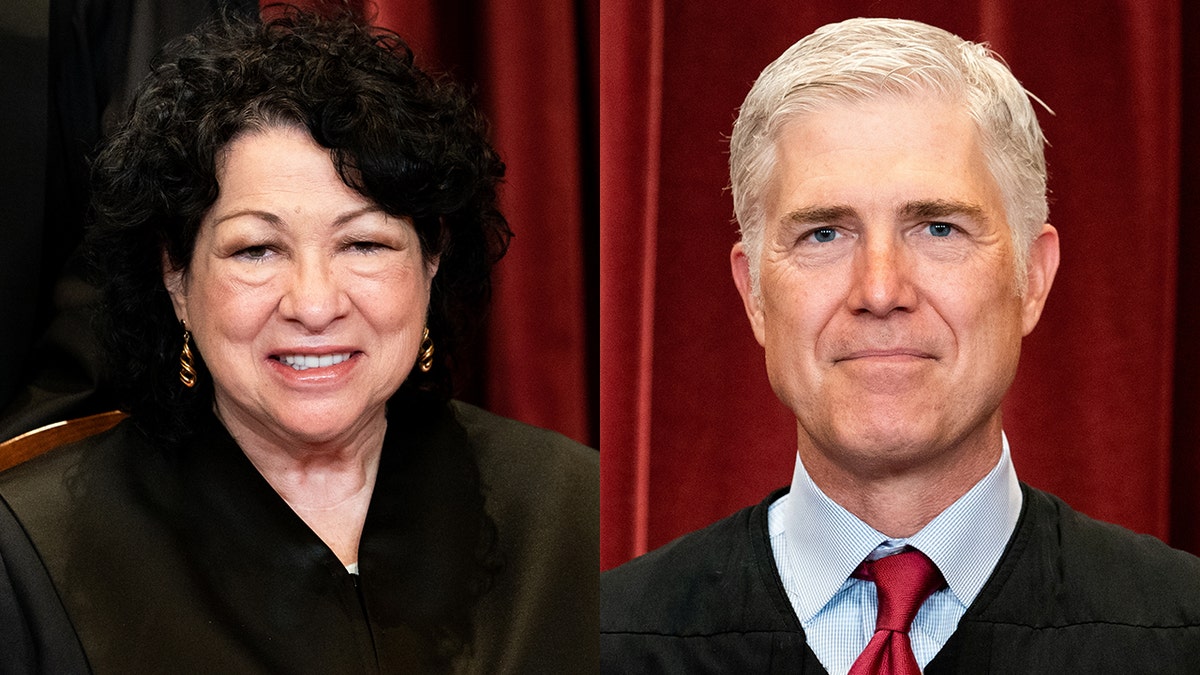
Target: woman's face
306, 301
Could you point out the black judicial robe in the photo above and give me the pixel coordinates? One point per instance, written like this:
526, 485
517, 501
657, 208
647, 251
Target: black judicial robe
479, 554
1069, 595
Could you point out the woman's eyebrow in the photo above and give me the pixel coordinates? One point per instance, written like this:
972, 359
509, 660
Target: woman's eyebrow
275, 221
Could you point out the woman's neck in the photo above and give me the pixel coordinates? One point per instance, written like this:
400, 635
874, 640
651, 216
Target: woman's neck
329, 485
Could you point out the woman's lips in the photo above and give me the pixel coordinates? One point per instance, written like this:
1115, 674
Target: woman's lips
306, 361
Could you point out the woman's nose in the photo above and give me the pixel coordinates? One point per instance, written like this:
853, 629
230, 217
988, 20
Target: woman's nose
314, 297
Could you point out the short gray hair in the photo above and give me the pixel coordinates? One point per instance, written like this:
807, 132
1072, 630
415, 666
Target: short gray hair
863, 59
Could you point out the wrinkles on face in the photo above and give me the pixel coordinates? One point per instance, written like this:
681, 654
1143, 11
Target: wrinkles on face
889, 312
293, 267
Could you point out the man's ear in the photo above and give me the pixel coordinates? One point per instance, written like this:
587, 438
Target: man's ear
740, 265
1042, 266
176, 284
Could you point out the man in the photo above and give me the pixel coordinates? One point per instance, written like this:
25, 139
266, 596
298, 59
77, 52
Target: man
890, 185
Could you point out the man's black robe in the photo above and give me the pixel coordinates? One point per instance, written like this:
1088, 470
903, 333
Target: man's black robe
1069, 595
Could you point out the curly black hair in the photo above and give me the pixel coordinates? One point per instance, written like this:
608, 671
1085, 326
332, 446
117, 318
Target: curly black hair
409, 142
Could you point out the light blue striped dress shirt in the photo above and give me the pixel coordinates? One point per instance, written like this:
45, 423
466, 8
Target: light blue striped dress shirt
817, 545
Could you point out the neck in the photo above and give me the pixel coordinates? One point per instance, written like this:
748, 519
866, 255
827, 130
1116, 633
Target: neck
329, 485
899, 497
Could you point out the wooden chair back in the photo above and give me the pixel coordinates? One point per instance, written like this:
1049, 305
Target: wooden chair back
33, 443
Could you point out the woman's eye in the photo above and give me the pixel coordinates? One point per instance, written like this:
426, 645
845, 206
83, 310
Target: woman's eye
823, 235
941, 229
254, 252
365, 246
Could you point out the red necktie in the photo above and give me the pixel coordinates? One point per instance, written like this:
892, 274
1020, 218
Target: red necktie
904, 581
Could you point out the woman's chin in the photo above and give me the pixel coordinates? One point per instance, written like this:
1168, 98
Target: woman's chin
307, 425
322, 430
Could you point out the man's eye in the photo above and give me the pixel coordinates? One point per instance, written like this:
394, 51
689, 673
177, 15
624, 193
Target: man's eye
941, 229
824, 235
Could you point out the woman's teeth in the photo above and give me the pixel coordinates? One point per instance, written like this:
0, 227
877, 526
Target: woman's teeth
304, 362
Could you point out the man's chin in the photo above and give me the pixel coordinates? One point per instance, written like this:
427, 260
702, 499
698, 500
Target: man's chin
888, 445
886, 450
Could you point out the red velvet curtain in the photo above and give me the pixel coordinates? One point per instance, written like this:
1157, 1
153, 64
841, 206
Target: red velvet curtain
1104, 411
533, 67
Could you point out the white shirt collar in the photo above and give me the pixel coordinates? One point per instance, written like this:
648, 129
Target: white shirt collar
825, 542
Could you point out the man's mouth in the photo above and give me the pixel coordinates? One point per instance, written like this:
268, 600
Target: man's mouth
899, 353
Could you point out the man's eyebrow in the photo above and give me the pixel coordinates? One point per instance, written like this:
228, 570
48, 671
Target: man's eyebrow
921, 209
816, 215
927, 209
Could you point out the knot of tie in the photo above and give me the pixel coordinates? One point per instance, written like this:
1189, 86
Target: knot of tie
903, 582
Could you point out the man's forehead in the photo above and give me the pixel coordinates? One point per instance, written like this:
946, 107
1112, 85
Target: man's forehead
908, 158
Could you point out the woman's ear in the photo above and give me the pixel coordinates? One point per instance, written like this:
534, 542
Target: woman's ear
173, 279
431, 268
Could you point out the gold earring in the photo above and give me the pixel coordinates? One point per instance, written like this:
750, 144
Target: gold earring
425, 361
187, 367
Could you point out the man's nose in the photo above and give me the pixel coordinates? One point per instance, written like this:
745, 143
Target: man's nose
314, 297
882, 279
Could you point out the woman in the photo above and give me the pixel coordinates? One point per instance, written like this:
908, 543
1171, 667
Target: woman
294, 229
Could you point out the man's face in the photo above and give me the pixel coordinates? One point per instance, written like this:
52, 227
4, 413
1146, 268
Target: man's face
888, 307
